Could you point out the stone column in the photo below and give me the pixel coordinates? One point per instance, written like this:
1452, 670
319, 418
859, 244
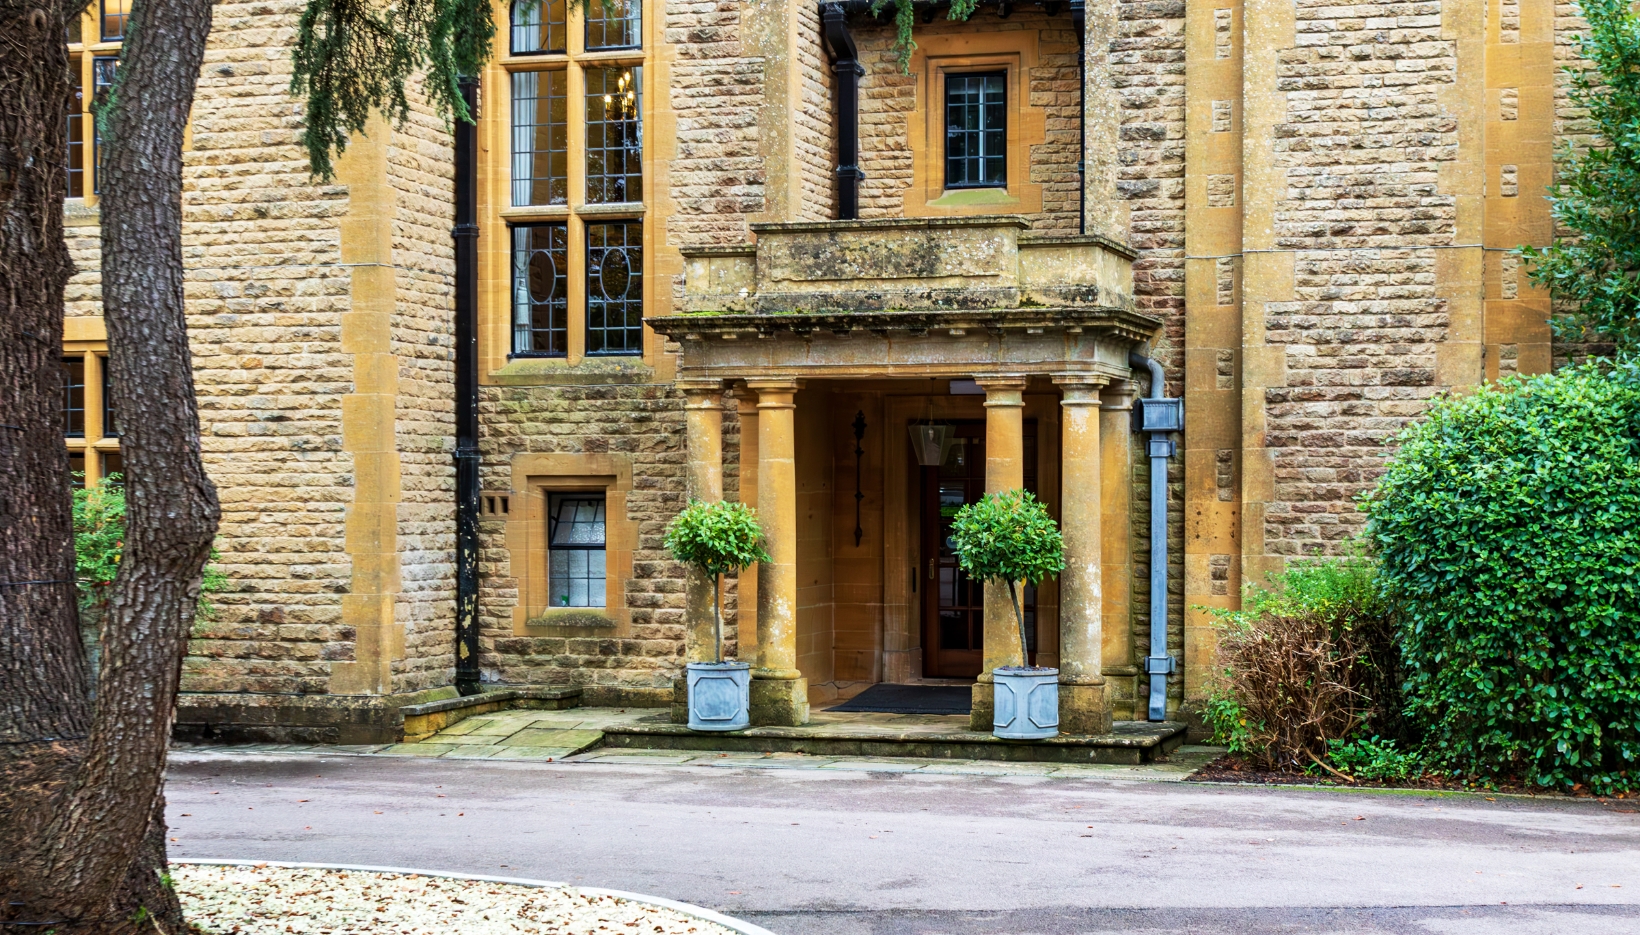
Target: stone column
779, 692
1084, 707
1004, 470
1116, 532
703, 421
746, 587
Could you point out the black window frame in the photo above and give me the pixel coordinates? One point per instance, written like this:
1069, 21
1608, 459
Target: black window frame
553, 87
957, 180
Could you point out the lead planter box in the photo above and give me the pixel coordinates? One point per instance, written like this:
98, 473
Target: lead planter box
1026, 702
719, 695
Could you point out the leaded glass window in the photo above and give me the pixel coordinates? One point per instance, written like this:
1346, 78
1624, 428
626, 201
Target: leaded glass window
103, 69
539, 26
115, 14
614, 24
111, 429
74, 396
615, 288
576, 550
540, 290
76, 132
976, 130
614, 134
540, 138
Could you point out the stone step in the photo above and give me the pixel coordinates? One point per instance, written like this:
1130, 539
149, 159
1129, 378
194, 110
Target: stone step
926, 736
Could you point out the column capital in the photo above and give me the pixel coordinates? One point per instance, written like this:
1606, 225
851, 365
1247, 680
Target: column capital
774, 384
1118, 394
1079, 389
701, 394
1003, 390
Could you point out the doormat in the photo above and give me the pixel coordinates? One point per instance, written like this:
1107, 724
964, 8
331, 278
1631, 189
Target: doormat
910, 699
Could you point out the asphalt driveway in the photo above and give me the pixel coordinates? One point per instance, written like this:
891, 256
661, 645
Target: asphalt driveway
823, 851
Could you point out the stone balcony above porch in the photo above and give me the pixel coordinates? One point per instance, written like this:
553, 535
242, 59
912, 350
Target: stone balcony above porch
907, 264
915, 297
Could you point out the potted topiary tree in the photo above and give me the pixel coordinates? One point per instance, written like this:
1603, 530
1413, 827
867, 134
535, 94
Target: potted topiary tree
717, 538
1010, 537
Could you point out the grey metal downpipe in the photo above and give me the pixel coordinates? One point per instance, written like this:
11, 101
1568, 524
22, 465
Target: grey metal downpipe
1159, 416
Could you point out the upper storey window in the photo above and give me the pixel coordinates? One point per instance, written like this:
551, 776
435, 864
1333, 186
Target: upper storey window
976, 130
575, 186
115, 14
94, 54
539, 26
614, 24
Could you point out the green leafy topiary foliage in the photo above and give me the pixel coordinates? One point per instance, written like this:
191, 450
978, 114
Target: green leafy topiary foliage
1010, 537
1508, 530
719, 539
1597, 189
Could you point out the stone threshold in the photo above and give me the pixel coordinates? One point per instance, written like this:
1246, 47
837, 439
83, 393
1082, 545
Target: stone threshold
1130, 743
424, 720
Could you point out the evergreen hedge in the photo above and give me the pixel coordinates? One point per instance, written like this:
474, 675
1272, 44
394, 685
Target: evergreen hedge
1508, 527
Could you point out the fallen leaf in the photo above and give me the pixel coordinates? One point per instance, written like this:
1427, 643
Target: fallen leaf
378, 813
1360, 818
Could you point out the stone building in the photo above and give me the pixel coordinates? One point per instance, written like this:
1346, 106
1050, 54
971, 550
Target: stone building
742, 250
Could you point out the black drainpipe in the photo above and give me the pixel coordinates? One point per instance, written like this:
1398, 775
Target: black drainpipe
465, 234
846, 64
1079, 18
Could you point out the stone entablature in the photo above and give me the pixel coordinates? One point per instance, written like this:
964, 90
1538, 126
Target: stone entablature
908, 344
992, 262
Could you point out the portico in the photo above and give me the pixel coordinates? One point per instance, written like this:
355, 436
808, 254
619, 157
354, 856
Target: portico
1046, 389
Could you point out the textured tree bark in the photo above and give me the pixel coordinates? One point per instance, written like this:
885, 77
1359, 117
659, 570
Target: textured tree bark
44, 710
97, 861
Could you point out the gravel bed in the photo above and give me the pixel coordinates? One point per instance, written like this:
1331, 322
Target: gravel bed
271, 900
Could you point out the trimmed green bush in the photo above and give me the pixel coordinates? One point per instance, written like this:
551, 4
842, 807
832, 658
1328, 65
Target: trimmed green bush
719, 539
1010, 537
1508, 528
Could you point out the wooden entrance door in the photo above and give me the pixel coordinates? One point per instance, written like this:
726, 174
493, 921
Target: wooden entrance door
953, 605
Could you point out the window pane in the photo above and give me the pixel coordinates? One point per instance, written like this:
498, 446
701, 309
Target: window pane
577, 521
614, 24
74, 397
576, 557
110, 427
976, 131
114, 15
540, 290
76, 132
539, 26
76, 469
615, 288
103, 69
112, 463
614, 135
540, 129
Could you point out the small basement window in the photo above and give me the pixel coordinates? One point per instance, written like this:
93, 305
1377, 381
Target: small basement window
576, 550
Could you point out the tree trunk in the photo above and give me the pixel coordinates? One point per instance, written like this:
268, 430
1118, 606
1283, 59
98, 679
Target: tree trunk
44, 710
99, 861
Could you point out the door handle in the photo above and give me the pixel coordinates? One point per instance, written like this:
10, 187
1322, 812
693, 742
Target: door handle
931, 563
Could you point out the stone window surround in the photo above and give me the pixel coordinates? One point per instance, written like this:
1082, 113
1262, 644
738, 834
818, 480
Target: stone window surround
496, 213
1016, 54
534, 478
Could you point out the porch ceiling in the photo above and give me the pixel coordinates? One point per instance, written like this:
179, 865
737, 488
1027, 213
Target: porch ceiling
900, 344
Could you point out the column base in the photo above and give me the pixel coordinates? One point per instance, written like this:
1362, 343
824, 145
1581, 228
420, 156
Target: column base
679, 708
780, 702
982, 714
1084, 709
